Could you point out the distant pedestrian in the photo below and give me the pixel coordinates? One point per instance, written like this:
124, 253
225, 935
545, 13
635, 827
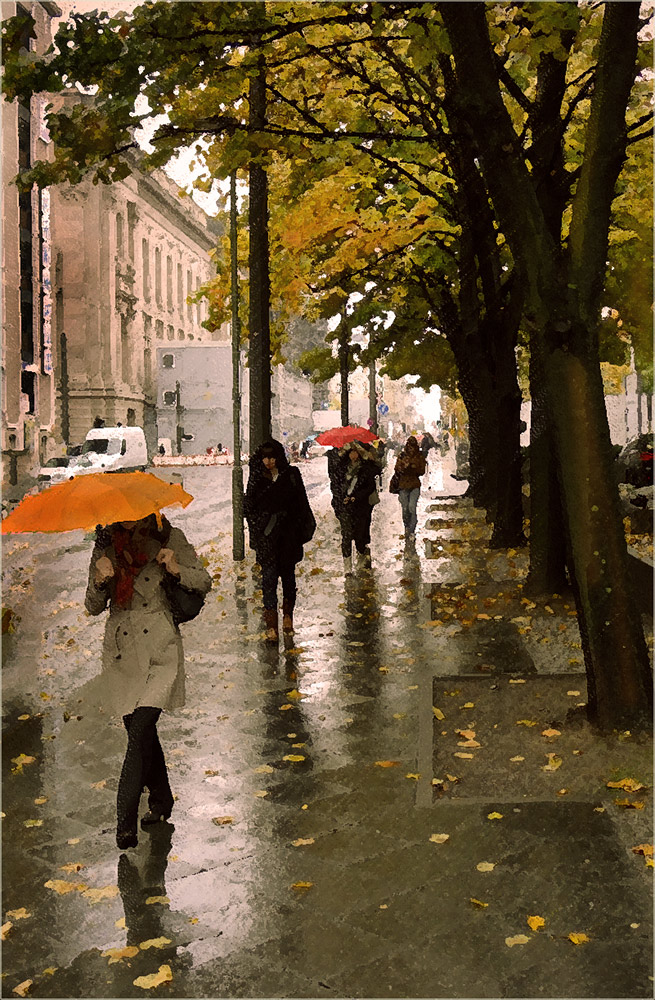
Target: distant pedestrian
142, 658
427, 442
410, 466
305, 448
354, 494
280, 522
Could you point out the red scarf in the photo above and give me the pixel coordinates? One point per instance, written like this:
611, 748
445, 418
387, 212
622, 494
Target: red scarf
131, 561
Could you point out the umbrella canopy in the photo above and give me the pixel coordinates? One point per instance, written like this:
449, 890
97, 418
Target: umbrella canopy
338, 436
97, 498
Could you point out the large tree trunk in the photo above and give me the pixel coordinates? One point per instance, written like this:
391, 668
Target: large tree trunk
259, 348
564, 300
508, 513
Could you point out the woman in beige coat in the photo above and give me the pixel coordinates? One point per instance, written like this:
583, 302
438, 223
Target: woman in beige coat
142, 657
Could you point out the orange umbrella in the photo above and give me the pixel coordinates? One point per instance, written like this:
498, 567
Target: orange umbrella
96, 498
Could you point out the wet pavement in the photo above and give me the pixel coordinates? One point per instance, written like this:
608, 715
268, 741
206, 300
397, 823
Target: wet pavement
425, 699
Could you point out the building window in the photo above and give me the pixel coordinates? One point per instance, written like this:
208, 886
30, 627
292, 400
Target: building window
180, 334
180, 290
147, 329
198, 305
26, 241
170, 333
145, 263
158, 276
27, 388
159, 330
131, 227
189, 292
169, 283
168, 361
170, 397
119, 235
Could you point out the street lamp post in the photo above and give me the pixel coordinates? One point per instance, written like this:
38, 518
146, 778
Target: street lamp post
178, 419
372, 398
238, 546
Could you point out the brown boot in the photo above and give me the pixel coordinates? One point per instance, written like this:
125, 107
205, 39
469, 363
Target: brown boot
287, 616
270, 620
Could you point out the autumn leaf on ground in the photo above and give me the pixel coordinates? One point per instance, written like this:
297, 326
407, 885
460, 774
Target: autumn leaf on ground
495, 815
263, 769
438, 713
159, 942
517, 939
72, 867
468, 734
293, 757
155, 979
645, 849
553, 762
62, 887
22, 913
285, 708
525, 722
516, 680
96, 895
158, 900
387, 763
468, 743
301, 842
5, 930
439, 838
22, 989
414, 777
261, 794
573, 694
41, 801
118, 954
628, 804
516, 760
536, 922
296, 695
578, 938
485, 866
551, 732
301, 886
478, 902
453, 778
99, 784
628, 785
222, 820
32, 822
465, 756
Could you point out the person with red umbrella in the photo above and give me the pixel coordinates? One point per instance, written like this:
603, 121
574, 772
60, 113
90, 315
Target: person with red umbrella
353, 472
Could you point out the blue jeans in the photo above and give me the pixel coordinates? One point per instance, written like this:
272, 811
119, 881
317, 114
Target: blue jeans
408, 501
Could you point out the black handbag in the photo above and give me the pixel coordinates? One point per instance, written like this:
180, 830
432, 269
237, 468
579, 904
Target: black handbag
184, 604
394, 483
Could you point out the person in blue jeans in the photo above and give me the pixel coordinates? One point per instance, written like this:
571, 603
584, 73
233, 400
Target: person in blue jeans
410, 466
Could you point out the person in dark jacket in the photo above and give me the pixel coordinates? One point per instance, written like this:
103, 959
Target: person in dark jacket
280, 522
410, 466
354, 494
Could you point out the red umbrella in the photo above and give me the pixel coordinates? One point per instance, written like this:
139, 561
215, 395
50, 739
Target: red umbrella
338, 436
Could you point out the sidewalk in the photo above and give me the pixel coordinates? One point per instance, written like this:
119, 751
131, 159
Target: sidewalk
364, 813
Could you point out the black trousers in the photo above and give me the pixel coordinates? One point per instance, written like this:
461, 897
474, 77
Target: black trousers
355, 529
144, 765
278, 566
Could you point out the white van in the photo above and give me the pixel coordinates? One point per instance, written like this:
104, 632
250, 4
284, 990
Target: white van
111, 449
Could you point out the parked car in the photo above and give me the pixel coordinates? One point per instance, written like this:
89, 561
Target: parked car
635, 461
55, 470
111, 449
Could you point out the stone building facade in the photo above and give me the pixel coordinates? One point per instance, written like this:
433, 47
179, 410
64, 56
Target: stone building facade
28, 378
127, 256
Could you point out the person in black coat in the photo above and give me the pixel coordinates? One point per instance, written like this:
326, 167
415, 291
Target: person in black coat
352, 480
280, 522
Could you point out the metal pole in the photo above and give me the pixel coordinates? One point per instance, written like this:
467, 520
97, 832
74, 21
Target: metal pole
372, 398
344, 365
238, 548
178, 418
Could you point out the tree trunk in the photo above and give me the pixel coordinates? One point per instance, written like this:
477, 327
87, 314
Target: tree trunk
344, 370
259, 351
508, 513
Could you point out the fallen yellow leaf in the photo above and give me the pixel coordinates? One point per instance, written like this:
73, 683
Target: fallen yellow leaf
453, 778
387, 763
439, 838
468, 704
627, 784
478, 902
222, 820
295, 694
553, 762
301, 842
261, 794
263, 769
41, 801
468, 734
515, 760
118, 954
62, 887
120, 924
563, 791
163, 900
72, 867
100, 784
155, 979
285, 708
32, 822
293, 757
415, 777
551, 732
536, 922
517, 939
73, 840
578, 938
22, 989
22, 913
573, 694
516, 680
5, 930
96, 895
466, 756
302, 885
485, 866
645, 849
468, 743
438, 713
159, 942
495, 815
22, 759
525, 722
628, 804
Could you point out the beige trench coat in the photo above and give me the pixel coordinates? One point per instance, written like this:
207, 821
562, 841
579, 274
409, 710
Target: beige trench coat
142, 655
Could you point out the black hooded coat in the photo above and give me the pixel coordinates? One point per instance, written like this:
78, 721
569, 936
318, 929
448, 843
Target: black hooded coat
277, 511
